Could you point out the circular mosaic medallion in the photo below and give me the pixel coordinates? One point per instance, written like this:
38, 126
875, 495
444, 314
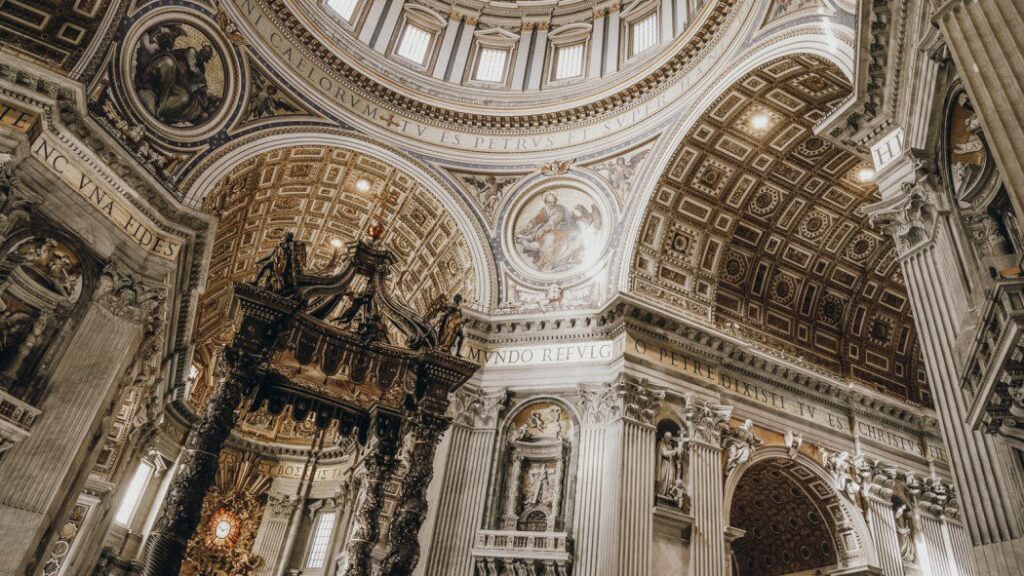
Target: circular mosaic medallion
558, 231
177, 74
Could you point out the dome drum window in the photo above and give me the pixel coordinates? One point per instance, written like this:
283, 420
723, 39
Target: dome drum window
641, 24
347, 10
416, 43
569, 53
493, 53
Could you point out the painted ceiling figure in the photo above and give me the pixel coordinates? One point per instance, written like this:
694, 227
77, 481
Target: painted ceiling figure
555, 238
171, 82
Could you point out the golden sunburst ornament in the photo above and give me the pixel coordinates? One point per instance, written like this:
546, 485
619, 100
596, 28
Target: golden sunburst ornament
222, 530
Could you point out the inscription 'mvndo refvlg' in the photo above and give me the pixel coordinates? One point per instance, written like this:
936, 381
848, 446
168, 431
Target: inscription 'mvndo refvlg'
533, 355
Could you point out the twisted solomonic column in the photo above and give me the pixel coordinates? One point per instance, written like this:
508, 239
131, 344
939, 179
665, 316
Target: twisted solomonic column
403, 532
196, 473
379, 465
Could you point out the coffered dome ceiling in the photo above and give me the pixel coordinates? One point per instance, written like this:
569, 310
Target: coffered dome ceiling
758, 225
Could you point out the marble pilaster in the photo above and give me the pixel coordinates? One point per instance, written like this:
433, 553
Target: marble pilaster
707, 543
463, 489
270, 537
597, 480
38, 474
984, 39
984, 471
636, 476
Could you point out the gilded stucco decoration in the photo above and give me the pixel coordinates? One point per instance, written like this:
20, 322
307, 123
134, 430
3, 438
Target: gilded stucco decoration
757, 225
231, 515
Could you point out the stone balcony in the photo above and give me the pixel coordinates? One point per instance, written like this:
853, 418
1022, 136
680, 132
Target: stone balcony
993, 376
16, 419
499, 552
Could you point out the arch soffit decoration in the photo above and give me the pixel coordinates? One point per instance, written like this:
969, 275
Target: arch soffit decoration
812, 41
864, 554
209, 174
897, 369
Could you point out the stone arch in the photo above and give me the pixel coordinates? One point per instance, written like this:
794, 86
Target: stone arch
760, 229
812, 41
812, 496
207, 174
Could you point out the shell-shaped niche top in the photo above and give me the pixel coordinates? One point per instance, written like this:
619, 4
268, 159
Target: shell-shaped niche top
47, 270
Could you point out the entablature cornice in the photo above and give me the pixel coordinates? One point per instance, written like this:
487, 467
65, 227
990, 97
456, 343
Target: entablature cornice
628, 316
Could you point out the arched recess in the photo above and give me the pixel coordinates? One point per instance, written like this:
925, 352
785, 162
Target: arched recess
757, 225
817, 40
537, 434
794, 519
211, 172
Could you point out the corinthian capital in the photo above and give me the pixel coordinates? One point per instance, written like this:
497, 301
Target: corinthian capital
910, 216
639, 401
708, 420
476, 408
128, 296
598, 404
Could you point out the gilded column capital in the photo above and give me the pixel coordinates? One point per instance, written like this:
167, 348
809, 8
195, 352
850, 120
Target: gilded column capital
472, 407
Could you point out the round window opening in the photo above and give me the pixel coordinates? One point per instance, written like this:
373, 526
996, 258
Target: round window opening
223, 529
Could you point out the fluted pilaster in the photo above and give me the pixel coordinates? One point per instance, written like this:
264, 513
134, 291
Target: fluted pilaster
273, 529
636, 477
882, 522
984, 470
598, 466
707, 543
984, 37
460, 506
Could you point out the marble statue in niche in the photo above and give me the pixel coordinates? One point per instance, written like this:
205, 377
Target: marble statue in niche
673, 465
178, 76
551, 237
967, 150
538, 453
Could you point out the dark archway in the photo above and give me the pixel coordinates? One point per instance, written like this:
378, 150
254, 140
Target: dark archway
781, 507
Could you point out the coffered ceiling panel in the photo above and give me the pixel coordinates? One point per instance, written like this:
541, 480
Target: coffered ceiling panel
757, 225
53, 33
